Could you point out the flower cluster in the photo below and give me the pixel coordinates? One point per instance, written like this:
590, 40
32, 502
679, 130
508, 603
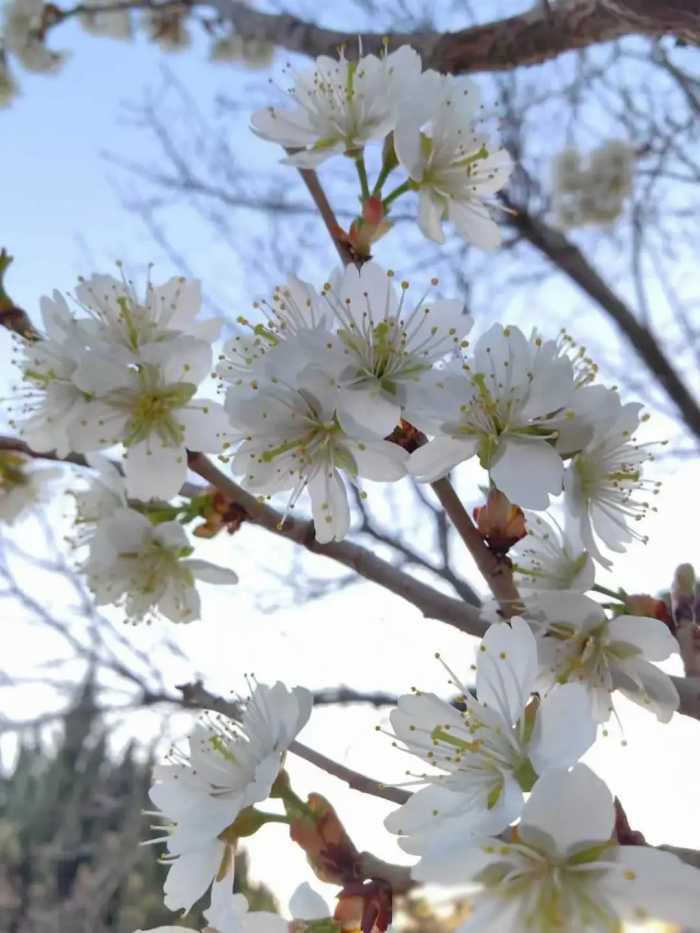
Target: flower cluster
592, 191
551, 861
426, 122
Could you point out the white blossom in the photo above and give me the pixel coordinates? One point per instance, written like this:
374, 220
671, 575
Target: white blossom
48, 399
592, 190
23, 485
492, 752
23, 34
253, 53
564, 871
230, 767
151, 410
148, 568
507, 409
291, 438
104, 494
578, 643
547, 558
603, 484
454, 168
124, 324
341, 105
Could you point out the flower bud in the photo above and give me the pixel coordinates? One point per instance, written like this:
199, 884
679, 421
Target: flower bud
500, 523
329, 850
641, 604
365, 906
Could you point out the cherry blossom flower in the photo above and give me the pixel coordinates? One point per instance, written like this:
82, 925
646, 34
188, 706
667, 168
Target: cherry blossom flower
48, 399
454, 168
386, 343
579, 644
492, 752
23, 485
563, 870
148, 568
104, 494
592, 190
549, 559
230, 767
123, 323
341, 105
604, 481
113, 24
506, 409
291, 438
149, 409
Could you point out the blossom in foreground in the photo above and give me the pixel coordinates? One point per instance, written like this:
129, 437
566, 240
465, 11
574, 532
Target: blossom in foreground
230, 767
453, 167
506, 409
292, 439
387, 341
122, 322
148, 568
604, 482
341, 105
22, 485
152, 411
564, 872
579, 644
549, 559
492, 752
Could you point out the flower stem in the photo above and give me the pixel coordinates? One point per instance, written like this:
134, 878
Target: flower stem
362, 175
397, 192
619, 596
387, 169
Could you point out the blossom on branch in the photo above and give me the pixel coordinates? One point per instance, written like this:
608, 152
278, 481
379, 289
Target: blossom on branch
454, 168
23, 32
341, 105
291, 436
564, 871
148, 568
206, 797
578, 643
492, 752
549, 559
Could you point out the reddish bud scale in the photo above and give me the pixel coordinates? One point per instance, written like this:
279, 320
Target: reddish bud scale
500, 523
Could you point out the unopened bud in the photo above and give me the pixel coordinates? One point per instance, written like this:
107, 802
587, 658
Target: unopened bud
684, 605
641, 604
500, 523
330, 851
407, 436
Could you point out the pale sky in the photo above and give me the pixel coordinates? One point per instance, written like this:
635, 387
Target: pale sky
60, 216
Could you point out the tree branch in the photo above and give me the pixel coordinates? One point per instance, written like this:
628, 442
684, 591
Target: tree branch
570, 260
530, 38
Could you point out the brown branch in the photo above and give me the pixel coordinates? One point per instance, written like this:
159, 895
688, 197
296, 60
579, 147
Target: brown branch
530, 38
497, 573
570, 260
429, 601
318, 195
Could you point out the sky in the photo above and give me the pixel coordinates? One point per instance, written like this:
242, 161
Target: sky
60, 216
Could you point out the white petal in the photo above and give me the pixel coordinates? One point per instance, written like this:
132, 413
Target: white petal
431, 209
564, 728
329, 502
473, 221
461, 867
651, 636
191, 874
646, 684
570, 807
656, 885
370, 408
527, 471
439, 456
507, 668
380, 461
154, 469
210, 573
407, 143
205, 423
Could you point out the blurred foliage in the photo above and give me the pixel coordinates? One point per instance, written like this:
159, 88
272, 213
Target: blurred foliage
71, 822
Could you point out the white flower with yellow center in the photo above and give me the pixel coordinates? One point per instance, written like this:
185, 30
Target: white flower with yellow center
492, 752
563, 872
291, 438
549, 559
47, 400
507, 409
453, 167
148, 568
341, 105
578, 643
230, 767
123, 323
150, 409
604, 482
